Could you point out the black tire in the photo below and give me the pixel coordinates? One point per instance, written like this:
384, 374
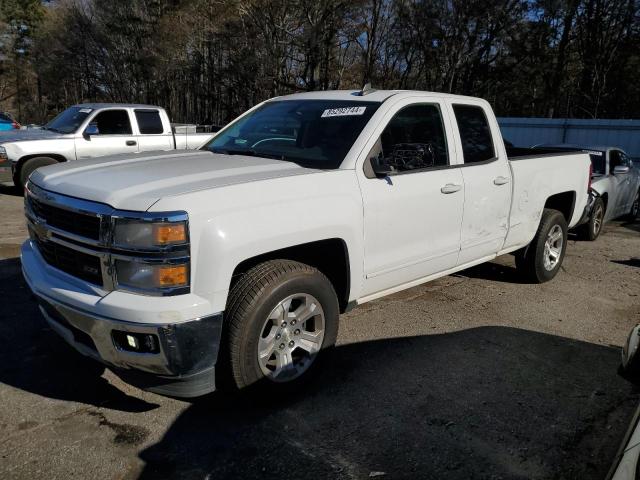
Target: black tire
28, 168
250, 303
593, 228
530, 261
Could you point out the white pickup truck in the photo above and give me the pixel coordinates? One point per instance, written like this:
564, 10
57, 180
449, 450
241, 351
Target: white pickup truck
89, 131
235, 262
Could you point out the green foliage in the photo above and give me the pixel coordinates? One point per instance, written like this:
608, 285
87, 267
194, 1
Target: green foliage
212, 59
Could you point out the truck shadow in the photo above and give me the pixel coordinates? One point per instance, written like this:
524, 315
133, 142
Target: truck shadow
493, 271
33, 358
10, 189
489, 402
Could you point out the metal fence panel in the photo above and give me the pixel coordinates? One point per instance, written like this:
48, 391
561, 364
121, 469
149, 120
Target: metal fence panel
526, 132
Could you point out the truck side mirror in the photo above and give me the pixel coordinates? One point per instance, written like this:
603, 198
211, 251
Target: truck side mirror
92, 129
621, 169
380, 168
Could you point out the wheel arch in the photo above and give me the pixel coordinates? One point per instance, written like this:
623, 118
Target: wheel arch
329, 256
564, 202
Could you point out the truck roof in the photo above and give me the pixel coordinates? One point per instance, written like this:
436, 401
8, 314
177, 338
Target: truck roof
371, 96
96, 106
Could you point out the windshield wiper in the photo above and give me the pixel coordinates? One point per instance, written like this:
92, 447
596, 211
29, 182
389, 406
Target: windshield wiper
52, 129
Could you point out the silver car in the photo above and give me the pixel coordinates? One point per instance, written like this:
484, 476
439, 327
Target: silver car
615, 185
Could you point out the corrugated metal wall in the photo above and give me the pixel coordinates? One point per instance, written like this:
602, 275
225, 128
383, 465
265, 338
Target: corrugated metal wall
526, 132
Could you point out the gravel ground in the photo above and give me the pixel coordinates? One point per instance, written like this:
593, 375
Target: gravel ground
475, 375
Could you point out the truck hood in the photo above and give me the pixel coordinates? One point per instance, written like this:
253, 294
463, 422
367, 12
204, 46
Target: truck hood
136, 183
11, 136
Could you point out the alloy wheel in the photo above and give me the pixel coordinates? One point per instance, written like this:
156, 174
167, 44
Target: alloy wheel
291, 337
553, 248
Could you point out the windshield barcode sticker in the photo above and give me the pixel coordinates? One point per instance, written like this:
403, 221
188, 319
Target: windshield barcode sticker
343, 112
85, 110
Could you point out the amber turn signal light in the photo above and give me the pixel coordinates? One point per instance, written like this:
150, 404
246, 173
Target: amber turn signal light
166, 234
172, 276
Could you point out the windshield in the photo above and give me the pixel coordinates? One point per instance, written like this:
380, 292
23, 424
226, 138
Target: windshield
597, 161
68, 121
312, 133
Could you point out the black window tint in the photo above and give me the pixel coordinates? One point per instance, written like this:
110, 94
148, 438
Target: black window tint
415, 139
113, 122
149, 122
614, 160
477, 143
597, 162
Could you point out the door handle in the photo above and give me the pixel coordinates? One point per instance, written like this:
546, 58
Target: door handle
501, 181
131, 143
451, 188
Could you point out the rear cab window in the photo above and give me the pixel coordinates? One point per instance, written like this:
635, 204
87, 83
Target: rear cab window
475, 133
149, 122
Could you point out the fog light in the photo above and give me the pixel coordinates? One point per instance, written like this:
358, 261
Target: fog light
135, 342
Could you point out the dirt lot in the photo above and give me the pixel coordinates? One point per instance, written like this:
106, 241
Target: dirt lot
474, 375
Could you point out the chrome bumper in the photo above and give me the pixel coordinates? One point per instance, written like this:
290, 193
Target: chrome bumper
182, 367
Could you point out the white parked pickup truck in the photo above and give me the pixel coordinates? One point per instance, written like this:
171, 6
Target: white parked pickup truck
89, 131
177, 269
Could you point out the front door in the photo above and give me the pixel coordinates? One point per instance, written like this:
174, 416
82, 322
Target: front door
412, 217
107, 133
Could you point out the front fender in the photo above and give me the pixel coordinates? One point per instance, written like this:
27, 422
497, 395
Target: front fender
231, 224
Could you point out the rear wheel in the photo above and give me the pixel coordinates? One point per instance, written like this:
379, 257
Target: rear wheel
592, 229
28, 168
280, 316
541, 260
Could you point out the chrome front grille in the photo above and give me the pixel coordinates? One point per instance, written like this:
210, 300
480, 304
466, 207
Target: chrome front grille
81, 265
85, 225
76, 237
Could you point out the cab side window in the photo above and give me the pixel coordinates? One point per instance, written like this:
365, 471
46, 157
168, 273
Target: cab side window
475, 134
414, 139
112, 122
149, 122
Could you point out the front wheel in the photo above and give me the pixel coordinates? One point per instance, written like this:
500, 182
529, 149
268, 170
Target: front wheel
541, 260
281, 315
28, 167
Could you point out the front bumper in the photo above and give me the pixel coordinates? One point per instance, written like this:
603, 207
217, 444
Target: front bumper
183, 364
6, 170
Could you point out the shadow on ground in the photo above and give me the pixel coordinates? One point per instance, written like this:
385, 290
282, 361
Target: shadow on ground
493, 271
632, 262
33, 358
490, 402
9, 189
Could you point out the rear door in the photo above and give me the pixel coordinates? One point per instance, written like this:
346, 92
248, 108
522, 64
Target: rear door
487, 181
411, 217
153, 134
108, 132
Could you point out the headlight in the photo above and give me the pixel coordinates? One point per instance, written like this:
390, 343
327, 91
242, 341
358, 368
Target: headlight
151, 253
143, 234
3, 154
